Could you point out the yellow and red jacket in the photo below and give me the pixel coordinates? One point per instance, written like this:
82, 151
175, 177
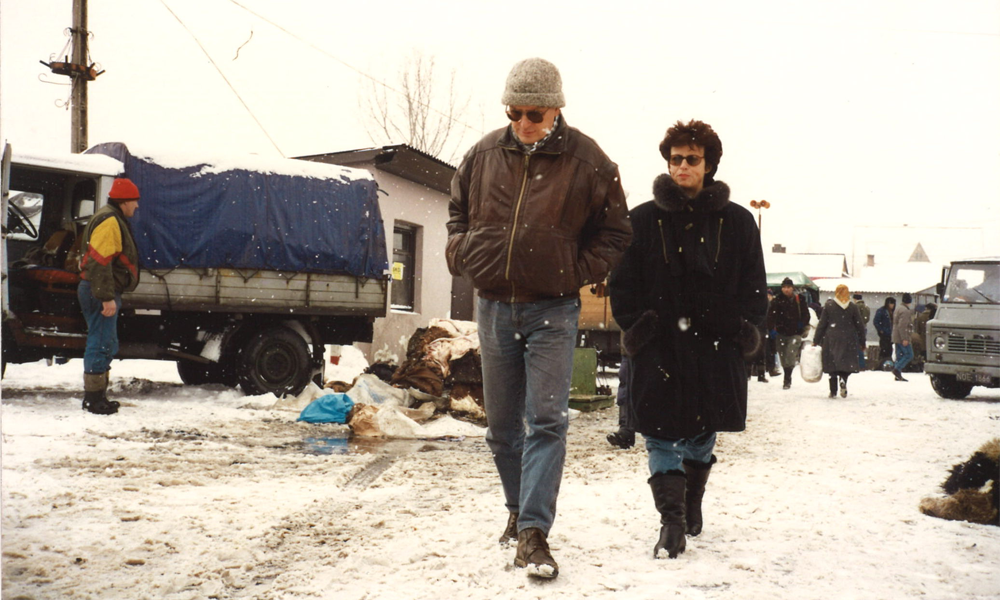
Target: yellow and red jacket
110, 259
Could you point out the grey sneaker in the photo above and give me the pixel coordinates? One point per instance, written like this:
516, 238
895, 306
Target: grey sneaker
533, 554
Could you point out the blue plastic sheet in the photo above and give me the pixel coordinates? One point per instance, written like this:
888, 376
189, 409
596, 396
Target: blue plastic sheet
251, 219
331, 408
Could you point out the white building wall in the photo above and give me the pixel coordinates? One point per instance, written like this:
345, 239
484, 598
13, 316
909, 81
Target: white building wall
411, 204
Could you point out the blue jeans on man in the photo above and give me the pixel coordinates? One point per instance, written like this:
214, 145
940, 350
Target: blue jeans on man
904, 354
102, 332
527, 352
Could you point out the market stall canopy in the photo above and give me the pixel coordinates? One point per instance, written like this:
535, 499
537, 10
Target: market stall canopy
798, 278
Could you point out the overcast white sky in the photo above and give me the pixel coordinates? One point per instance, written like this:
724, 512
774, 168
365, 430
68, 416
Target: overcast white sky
855, 112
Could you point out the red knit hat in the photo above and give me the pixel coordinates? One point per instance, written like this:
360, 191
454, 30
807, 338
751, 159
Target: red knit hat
123, 190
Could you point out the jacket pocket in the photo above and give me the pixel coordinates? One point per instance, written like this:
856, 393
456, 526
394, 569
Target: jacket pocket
453, 254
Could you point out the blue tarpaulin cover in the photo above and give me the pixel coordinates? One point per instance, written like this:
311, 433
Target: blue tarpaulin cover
331, 408
284, 215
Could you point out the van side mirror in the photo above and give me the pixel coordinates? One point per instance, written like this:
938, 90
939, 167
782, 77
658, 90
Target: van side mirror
939, 288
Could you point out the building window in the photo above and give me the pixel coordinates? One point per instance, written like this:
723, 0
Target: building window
404, 262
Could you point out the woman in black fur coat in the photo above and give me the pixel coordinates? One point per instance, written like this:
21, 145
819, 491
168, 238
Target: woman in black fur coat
689, 294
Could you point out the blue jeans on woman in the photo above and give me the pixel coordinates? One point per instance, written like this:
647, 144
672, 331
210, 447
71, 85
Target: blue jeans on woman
669, 454
527, 352
102, 332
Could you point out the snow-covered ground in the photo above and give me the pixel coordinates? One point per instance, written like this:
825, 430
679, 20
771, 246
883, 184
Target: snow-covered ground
201, 492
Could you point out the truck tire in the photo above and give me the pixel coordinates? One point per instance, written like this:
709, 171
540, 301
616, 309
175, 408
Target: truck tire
948, 387
275, 360
195, 373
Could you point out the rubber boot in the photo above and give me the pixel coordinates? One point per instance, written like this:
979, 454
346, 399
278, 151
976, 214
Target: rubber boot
95, 399
696, 474
104, 393
833, 386
788, 379
668, 494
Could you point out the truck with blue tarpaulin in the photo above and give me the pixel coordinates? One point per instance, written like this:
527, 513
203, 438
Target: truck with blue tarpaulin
248, 266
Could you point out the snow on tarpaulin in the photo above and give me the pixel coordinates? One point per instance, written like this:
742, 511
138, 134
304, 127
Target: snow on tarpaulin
253, 213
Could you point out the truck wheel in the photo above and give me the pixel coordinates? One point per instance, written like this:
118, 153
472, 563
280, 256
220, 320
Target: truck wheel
948, 387
195, 373
275, 360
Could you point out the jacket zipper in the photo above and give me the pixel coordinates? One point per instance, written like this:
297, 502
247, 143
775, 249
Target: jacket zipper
718, 242
513, 228
663, 241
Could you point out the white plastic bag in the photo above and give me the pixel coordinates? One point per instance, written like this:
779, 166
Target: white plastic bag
811, 363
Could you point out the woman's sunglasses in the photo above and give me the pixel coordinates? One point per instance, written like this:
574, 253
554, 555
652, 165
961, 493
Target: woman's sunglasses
535, 116
677, 159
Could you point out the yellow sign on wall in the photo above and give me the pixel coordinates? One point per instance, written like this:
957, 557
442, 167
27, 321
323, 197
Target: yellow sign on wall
397, 271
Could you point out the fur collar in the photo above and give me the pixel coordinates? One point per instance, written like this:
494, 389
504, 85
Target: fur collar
669, 196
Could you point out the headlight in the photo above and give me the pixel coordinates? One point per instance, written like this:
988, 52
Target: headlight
940, 342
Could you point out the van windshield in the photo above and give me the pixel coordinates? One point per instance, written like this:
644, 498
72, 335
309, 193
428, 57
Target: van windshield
973, 283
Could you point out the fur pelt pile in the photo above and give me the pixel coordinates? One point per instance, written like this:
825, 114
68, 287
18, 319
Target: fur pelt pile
972, 488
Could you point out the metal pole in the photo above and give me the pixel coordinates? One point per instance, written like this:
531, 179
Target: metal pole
78, 102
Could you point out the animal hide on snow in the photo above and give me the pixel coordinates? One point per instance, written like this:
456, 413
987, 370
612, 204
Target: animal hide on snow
973, 489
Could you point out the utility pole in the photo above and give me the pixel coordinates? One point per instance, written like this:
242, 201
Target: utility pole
78, 103
79, 73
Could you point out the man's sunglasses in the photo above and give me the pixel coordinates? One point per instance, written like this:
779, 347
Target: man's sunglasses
535, 116
677, 159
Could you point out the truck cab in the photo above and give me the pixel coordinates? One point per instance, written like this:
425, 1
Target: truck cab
963, 339
46, 204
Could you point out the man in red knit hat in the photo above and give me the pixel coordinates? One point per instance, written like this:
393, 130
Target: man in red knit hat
109, 267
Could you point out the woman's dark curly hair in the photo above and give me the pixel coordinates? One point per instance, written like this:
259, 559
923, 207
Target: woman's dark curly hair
695, 133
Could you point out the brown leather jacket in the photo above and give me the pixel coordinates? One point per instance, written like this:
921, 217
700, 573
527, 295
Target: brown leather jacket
530, 227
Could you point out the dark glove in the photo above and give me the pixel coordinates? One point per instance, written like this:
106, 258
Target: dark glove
640, 333
749, 339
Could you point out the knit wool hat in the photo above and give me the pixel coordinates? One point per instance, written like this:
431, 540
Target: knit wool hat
123, 190
534, 82
787, 281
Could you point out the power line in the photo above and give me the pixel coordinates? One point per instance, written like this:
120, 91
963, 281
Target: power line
351, 67
224, 78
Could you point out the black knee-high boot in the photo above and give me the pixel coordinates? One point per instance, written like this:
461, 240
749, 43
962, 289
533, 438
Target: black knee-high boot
696, 474
833, 385
668, 494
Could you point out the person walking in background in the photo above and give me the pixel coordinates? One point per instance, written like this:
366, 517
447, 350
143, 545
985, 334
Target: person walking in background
883, 325
902, 336
537, 211
919, 338
688, 294
771, 344
108, 268
840, 332
789, 316
866, 314
624, 438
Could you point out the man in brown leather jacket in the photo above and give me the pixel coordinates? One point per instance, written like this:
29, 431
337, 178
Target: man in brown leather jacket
537, 212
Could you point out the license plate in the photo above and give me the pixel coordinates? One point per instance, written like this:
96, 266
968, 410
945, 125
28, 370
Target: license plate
979, 378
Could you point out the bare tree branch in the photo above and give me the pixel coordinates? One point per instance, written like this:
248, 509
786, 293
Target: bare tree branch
416, 112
